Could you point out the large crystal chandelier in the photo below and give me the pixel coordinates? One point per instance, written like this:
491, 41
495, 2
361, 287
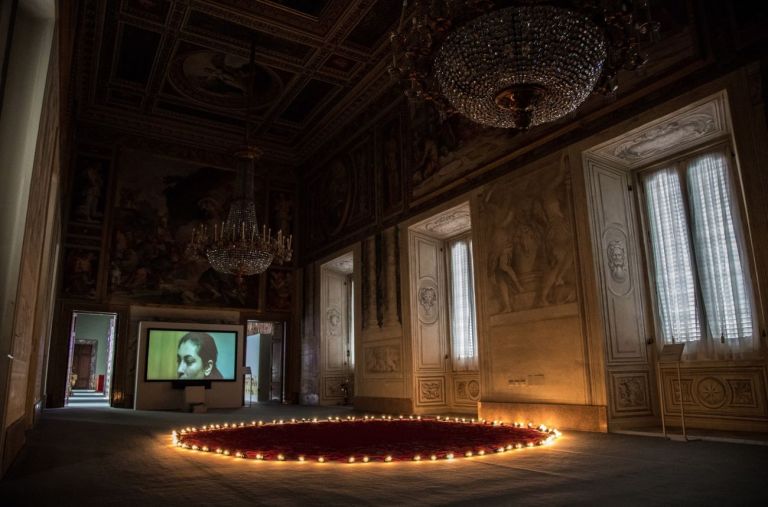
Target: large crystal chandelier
237, 246
516, 64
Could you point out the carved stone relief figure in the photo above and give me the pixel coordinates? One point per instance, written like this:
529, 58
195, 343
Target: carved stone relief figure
428, 302
631, 392
334, 321
617, 260
530, 241
382, 359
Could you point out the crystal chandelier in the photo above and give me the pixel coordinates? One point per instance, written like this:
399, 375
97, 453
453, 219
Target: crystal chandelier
237, 246
516, 64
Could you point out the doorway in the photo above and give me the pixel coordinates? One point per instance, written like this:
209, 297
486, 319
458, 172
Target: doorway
337, 331
264, 362
91, 357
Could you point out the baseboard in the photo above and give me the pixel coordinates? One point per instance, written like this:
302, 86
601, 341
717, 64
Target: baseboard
383, 405
560, 416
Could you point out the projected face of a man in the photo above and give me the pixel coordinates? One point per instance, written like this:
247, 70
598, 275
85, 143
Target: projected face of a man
191, 365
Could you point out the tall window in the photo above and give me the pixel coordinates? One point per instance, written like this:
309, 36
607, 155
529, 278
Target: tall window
462, 305
702, 281
351, 331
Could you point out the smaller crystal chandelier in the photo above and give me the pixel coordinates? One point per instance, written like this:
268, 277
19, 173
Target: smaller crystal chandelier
237, 246
516, 64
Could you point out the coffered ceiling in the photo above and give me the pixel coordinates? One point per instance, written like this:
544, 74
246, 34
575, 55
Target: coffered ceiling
175, 69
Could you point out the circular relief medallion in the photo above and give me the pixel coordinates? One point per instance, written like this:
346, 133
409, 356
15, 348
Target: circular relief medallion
473, 388
711, 392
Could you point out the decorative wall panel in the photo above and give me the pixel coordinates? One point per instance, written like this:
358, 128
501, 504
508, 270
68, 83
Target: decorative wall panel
718, 392
616, 257
466, 389
333, 387
676, 132
428, 325
382, 359
630, 393
431, 391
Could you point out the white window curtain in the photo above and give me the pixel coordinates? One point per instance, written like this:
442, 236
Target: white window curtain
463, 323
675, 287
702, 289
724, 280
351, 330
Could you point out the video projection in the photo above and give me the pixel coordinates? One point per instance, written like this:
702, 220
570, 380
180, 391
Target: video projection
190, 355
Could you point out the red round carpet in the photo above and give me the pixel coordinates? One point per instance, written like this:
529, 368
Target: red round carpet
368, 439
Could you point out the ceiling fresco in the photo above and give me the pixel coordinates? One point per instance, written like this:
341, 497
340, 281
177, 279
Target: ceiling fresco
177, 70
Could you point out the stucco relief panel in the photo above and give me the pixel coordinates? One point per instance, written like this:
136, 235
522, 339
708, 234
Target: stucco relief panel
466, 390
427, 298
631, 394
728, 392
700, 122
526, 225
616, 261
383, 359
431, 391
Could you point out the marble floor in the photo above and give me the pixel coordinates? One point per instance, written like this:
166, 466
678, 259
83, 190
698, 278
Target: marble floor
105, 456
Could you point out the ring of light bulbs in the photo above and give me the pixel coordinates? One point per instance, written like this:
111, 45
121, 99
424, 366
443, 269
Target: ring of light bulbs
549, 435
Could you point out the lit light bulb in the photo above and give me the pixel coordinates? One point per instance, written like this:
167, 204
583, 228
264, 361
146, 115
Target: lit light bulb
388, 459
366, 459
321, 459
417, 457
219, 451
226, 452
301, 458
280, 457
433, 457
468, 454
481, 452
259, 456
449, 455
351, 459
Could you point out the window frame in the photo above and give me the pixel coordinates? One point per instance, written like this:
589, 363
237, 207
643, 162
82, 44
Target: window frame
467, 235
724, 145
